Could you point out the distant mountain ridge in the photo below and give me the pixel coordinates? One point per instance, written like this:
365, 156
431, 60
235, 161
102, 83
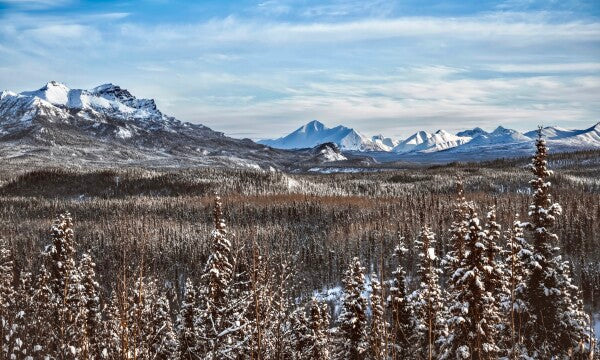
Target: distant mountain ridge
108, 125
423, 142
315, 133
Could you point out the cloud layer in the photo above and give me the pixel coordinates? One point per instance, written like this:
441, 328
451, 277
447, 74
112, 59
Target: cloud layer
263, 69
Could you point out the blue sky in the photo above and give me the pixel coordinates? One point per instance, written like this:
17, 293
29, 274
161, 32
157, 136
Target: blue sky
262, 68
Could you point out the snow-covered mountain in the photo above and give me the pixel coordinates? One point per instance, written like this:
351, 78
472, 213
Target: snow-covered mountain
327, 152
425, 142
107, 123
385, 143
500, 136
315, 133
589, 137
472, 132
472, 143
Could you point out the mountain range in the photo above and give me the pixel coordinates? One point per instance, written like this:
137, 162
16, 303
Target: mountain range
422, 143
107, 125
315, 133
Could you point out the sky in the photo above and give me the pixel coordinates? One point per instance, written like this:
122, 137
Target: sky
261, 69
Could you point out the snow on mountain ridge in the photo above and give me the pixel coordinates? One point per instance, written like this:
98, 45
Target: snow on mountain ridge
423, 141
53, 92
472, 133
315, 133
105, 100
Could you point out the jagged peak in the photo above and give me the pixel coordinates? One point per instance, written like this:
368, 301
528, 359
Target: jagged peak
54, 83
111, 90
314, 125
501, 129
104, 87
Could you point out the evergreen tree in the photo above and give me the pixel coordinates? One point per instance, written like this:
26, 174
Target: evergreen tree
281, 302
137, 320
453, 262
24, 316
162, 341
317, 332
67, 291
224, 299
458, 233
92, 346
472, 325
575, 323
262, 315
494, 266
188, 348
402, 329
513, 304
551, 331
114, 331
61, 255
45, 335
352, 342
7, 294
427, 299
299, 336
378, 328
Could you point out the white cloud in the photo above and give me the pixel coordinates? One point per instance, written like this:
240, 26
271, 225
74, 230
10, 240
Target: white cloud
546, 68
488, 28
390, 75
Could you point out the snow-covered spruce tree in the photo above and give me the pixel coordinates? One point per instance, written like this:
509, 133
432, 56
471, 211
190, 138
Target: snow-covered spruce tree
427, 299
21, 345
161, 339
458, 234
139, 297
575, 321
494, 266
187, 331
7, 295
61, 254
402, 326
298, 341
114, 330
551, 332
45, 334
65, 281
453, 260
263, 316
513, 305
378, 327
282, 305
352, 341
92, 322
223, 299
317, 337
474, 314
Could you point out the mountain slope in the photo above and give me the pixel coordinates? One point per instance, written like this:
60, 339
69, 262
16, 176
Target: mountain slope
107, 123
589, 137
315, 133
499, 136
